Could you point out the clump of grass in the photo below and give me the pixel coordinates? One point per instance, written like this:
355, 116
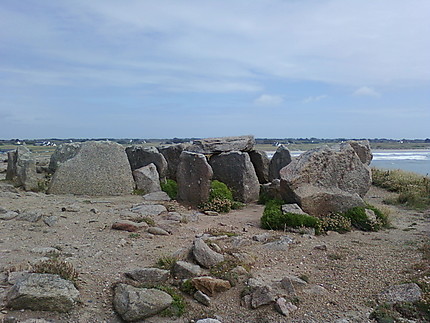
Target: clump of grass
170, 187
217, 232
58, 267
274, 219
187, 287
166, 262
223, 270
361, 221
148, 220
138, 192
220, 199
413, 189
178, 306
134, 235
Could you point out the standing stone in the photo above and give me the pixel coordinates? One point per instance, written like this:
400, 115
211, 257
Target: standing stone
99, 168
142, 156
236, 171
135, 304
62, 153
280, 159
223, 144
362, 149
261, 162
43, 292
326, 180
147, 179
172, 155
194, 178
21, 168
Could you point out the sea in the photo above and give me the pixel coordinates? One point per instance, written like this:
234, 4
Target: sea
416, 161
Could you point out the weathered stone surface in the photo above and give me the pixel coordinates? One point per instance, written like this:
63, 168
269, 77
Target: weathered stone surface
209, 285
292, 208
149, 209
291, 284
208, 320
271, 190
8, 216
222, 144
43, 292
142, 156
362, 149
401, 293
262, 295
280, 159
236, 171
62, 153
135, 304
156, 196
183, 269
172, 155
284, 307
194, 178
149, 275
326, 180
30, 216
261, 163
147, 179
21, 168
202, 298
99, 168
204, 255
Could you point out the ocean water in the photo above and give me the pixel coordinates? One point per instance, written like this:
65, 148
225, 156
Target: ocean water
417, 161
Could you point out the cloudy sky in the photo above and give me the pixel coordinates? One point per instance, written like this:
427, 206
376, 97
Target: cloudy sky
202, 68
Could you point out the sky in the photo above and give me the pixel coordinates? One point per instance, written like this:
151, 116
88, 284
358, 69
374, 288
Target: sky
208, 68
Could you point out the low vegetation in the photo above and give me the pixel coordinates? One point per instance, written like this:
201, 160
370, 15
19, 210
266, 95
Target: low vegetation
170, 187
178, 306
362, 221
220, 199
413, 189
166, 262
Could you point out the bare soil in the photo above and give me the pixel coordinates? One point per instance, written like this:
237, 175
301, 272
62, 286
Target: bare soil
355, 267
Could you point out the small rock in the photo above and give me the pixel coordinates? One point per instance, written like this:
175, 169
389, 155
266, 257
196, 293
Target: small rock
8, 216
281, 245
158, 231
46, 251
156, 196
174, 216
292, 208
94, 210
322, 247
70, 208
263, 237
202, 298
262, 295
3, 210
50, 220
211, 213
208, 321
130, 226
149, 275
149, 209
16, 276
284, 307
210, 285
291, 283
204, 255
315, 290
30, 216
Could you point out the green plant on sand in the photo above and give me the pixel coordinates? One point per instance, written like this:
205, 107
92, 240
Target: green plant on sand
170, 187
220, 199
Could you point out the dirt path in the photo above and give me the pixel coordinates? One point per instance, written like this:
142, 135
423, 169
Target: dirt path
355, 267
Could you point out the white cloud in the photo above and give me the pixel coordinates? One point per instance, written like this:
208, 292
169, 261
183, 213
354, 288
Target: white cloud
311, 99
269, 100
366, 91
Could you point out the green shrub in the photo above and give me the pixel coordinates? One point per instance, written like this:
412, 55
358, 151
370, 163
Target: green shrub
220, 191
217, 205
335, 222
166, 262
273, 218
361, 221
178, 306
170, 187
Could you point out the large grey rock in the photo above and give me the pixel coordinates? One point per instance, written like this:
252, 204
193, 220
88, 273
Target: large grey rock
280, 159
410, 293
261, 163
326, 180
21, 168
236, 171
362, 149
194, 178
135, 304
172, 155
149, 275
204, 255
43, 292
183, 269
62, 153
147, 179
99, 168
272, 190
222, 144
142, 156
